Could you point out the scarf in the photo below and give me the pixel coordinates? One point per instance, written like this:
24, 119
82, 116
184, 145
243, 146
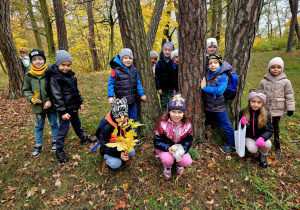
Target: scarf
37, 72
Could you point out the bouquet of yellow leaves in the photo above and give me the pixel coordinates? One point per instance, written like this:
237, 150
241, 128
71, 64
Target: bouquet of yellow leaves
127, 142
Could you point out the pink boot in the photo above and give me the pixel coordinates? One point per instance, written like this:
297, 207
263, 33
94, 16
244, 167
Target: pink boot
167, 173
179, 170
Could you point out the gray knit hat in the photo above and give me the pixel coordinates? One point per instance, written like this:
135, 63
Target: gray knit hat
62, 56
126, 51
119, 108
153, 53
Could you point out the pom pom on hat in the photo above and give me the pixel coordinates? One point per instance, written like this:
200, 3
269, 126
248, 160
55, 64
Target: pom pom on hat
210, 42
276, 60
126, 51
119, 108
36, 52
153, 53
177, 102
62, 56
174, 53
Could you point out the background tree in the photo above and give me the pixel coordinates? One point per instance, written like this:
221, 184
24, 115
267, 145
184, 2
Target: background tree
294, 26
60, 25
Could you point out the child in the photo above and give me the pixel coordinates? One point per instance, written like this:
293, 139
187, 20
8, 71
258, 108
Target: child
214, 86
124, 82
67, 100
164, 76
154, 57
173, 129
280, 95
35, 82
211, 47
24, 60
175, 59
112, 157
259, 127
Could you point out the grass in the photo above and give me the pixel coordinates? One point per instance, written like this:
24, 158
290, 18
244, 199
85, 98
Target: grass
215, 181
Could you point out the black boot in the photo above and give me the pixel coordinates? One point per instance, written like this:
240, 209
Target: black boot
277, 146
248, 154
88, 139
263, 162
61, 156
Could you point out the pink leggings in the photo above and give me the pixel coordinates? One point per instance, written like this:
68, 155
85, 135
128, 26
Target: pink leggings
167, 159
252, 147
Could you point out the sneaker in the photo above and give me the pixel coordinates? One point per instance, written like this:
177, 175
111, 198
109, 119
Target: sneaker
228, 148
105, 167
167, 173
88, 139
179, 170
37, 150
263, 162
53, 148
61, 156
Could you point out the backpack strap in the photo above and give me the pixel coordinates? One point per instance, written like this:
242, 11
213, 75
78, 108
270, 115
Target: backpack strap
113, 74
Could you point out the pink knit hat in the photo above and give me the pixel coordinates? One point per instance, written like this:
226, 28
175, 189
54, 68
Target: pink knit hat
276, 60
262, 96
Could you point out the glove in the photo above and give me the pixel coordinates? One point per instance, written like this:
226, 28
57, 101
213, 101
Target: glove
244, 120
290, 113
260, 142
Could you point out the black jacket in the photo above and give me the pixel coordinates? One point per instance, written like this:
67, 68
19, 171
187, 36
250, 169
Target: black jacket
164, 74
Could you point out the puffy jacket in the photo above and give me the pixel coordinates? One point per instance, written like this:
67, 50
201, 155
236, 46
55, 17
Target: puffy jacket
164, 74
253, 131
280, 94
169, 133
64, 90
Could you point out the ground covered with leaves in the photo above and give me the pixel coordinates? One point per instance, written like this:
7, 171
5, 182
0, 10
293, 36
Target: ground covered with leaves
214, 181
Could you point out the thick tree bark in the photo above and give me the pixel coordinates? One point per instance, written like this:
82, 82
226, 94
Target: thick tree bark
294, 10
297, 28
92, 44
192, 45
9, 52
2, 66
60, 25
214, 13
34, 26
219, 21
134, 37
242, 28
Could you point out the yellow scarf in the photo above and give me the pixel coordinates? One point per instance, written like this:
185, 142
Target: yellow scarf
37, 72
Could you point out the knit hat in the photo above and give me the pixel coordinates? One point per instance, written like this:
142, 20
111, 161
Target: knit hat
174, 53
126, 51
153, 53
216, 56
36, 52
168, 43
62, 56
253, 94
276, 60
210, 42
119, 108
177, 102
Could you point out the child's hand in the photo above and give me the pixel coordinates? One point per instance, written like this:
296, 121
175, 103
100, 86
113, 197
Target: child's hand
160, 91
143, 98
124, 156
244, 120
81, 106
290, 113
260, 142
170, 151
47, 105
111, 100
66, 116
203, 82
38, 101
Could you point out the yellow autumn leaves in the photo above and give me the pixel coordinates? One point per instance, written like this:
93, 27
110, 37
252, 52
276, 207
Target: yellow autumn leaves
36, 94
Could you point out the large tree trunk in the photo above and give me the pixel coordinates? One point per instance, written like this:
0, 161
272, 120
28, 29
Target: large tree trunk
60, 25
219, 22
34, 26
192, 45
9, 52
112, 31
134, 37
294, 10
214, 12
297, 28
242, 28
92, 44
48, 29
2, 66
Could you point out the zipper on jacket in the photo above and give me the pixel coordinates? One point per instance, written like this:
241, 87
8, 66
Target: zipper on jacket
41, 91
176, 133
253, 124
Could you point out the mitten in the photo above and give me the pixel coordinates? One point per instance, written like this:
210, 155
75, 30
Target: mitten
290, 113
244, 120
260, 142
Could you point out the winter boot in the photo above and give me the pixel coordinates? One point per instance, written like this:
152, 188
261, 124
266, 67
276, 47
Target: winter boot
248, 154
179, 170
277, 146
61, 156
53, 148
263, 162
88, 139
37, 150
167, 173
105, 167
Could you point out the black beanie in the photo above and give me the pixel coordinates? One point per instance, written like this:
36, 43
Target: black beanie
36, 52
216, 56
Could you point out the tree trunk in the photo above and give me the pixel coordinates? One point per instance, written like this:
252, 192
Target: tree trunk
34, 26
2, 66
92, 44
166, 29
192, 45
228, 14
48, 29
239, 44
278, 18
60, 25
294, 10
219, 22
213, 18
297, 28
134, 37
9, 52
112, 31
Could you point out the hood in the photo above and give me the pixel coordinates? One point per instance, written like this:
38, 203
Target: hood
224, 68
53, 69
116, 62
279, 77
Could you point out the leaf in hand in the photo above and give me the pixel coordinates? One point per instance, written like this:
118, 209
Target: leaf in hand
36, 94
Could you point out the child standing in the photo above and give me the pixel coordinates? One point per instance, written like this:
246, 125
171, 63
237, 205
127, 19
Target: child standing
114, 119
259, 127
153, 57
280, 95
164, 76
175, 59
173, 129
24, 60
214, 86
34, 83
67, 100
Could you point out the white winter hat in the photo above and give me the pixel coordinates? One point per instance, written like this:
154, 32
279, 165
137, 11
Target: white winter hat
276, 60
174, 53
210, 42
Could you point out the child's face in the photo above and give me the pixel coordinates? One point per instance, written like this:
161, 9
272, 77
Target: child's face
167, 51
153, 59
275, 70
211, 49
121, 119
23, 54
176, 60
65, 66
256, 103
176, 115
127, 61
213, 65
38, 62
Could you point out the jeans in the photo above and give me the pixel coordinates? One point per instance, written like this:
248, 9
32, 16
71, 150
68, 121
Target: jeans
132, 113
39, 126
168, 160
114, 162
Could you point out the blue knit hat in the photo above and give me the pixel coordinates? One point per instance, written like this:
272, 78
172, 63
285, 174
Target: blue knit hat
177, 102
168, 43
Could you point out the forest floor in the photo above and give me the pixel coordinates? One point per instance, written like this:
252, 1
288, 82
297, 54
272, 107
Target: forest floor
215, 181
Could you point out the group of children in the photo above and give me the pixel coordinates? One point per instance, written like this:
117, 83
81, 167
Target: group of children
53, 90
